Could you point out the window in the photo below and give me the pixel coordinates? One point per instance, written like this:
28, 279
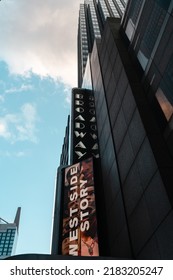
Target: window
134, 10
164, 94
152, 31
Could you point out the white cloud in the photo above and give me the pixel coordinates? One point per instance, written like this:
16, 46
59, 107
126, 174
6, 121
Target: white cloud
2, 87
20, 126
1, 98
22, 88
4, 129
40, 36
17, 154
67, 93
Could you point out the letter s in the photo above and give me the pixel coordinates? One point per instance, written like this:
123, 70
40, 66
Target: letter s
85, 226
73, 196
11, 271
73, 222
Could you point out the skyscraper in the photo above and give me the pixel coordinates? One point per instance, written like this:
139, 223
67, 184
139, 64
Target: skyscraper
131, 73
57, 209
8, 236
125, 193
92, 16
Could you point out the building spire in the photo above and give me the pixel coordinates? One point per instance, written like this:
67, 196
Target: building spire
17, 217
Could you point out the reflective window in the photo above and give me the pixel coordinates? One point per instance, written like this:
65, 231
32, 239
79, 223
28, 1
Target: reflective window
152, 31
164, 94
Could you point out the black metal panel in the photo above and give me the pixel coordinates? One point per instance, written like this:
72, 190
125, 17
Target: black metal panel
84, 140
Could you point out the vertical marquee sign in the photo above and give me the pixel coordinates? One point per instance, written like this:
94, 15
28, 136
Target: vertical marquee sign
79, 236
84, 140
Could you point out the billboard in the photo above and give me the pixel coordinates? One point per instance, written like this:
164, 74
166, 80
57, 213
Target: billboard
79, 236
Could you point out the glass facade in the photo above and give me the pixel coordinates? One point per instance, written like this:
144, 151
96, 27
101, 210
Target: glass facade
133, 153
93, 21
167, 82
114, 11
103, 10
8, 235
7, 240
148, 26
120, 6
134, 11
92, 16
83, 37
152, 31
164, 93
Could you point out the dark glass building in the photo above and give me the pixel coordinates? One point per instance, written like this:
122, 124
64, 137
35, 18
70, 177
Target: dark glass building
128, 74
8, 236
92, 17
57, 209
131, 75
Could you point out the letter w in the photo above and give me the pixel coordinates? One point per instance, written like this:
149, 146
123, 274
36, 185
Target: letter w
81, 134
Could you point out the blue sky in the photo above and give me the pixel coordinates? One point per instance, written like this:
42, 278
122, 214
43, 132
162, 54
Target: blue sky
37, 71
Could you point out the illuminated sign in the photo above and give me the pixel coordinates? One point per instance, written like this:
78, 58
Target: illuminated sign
84, 129
79, 215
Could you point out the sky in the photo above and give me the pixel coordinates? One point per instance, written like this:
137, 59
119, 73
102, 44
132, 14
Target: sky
38, 68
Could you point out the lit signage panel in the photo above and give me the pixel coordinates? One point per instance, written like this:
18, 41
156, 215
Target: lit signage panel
79, 216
